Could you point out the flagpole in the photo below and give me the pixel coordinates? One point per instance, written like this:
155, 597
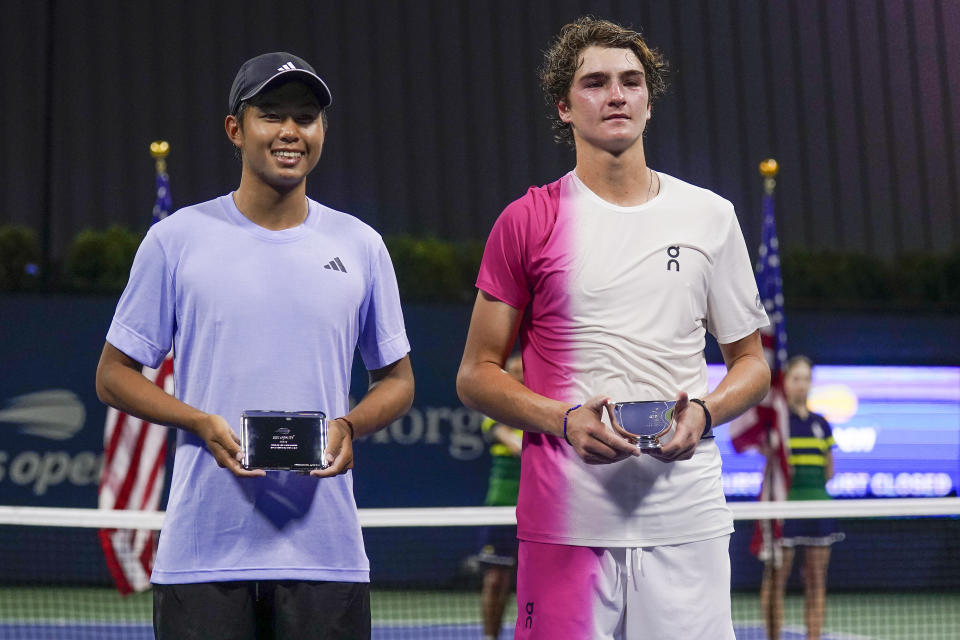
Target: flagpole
160, 149
163, 206
776, 471
769, 170
135, 451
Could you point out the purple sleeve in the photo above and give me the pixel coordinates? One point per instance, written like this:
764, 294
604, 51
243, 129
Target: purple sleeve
383, 338
144, 321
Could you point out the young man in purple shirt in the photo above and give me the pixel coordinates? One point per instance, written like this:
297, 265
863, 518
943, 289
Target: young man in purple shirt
242, 288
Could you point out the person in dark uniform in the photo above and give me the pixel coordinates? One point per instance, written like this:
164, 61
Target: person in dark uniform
811, 466
499, 553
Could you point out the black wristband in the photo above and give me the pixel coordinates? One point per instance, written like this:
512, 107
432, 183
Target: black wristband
706, 413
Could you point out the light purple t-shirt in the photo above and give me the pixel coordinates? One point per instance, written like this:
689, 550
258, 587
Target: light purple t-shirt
259, 319
617, 301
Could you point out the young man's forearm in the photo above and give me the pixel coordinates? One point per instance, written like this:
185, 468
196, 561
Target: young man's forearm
746, 382
389, 396
485, 387
121, 385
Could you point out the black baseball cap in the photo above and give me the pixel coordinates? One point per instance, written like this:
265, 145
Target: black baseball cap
266, 70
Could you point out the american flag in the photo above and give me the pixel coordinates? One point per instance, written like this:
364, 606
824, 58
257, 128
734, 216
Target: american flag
767, 426
162, 207
134, 464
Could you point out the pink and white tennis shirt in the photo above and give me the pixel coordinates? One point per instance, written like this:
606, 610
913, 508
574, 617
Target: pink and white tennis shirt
617, 301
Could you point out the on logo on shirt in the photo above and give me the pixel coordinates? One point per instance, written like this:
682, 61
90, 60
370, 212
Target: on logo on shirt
673, 253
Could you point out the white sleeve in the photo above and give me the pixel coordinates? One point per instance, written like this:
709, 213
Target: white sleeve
734, 308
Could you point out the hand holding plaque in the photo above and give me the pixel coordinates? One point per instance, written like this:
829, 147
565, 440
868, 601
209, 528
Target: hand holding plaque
284, 440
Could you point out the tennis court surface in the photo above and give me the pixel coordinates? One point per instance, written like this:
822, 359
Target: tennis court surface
896, 576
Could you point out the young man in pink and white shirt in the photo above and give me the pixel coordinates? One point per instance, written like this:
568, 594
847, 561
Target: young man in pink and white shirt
611, 276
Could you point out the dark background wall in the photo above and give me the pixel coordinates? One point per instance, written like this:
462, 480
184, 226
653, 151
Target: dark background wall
437, 120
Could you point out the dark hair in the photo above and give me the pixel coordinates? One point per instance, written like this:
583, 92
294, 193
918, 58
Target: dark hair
562, 59
246, 103
794, 361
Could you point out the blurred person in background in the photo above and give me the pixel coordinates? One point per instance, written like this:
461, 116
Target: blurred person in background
498, 557
811, 466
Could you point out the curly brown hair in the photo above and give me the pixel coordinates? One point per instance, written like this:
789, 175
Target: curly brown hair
562, 59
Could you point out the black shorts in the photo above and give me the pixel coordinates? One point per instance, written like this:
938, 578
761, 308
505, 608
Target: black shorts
499, 546
811, 532
262, 610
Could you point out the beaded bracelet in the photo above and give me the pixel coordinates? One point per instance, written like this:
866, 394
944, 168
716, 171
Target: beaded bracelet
566, 414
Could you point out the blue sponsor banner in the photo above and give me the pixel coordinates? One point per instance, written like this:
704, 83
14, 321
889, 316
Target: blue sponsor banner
897, 431
436, 455
897, 428
51, 421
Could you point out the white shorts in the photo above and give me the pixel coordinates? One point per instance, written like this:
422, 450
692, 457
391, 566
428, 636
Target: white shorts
676, 592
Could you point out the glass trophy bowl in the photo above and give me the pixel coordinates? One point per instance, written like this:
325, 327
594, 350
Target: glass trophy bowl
644, 422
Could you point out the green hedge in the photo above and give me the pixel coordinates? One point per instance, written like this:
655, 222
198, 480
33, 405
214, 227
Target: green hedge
909, 282
433, 270
440, 271
99, 261
19, 258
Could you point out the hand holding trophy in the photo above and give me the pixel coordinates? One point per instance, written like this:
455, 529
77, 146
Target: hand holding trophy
648, 424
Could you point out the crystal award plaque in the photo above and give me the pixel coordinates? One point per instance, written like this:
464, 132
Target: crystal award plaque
286, 440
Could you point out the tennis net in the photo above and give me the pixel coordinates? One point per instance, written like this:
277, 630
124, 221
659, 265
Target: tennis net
894, 576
